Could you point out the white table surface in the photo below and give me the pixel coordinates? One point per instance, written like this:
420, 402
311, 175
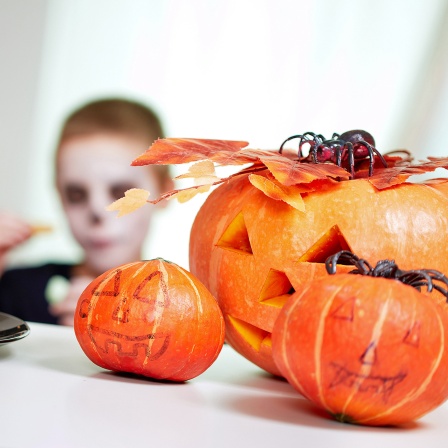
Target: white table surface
52, 395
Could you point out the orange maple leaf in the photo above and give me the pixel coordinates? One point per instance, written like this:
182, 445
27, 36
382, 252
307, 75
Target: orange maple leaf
169, 151
291, 194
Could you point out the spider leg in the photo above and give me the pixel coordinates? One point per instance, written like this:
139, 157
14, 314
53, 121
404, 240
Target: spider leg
313, 151
337, 142
372, 152
315, 142
314, 136
383, 161
299, 151
317, 138
346, 257
339, 151
371, 161
351, 158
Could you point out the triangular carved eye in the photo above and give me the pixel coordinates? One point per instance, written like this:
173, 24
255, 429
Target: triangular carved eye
276, 289
331, 242
235, 236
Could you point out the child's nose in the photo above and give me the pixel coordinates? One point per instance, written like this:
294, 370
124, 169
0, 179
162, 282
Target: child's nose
97, 208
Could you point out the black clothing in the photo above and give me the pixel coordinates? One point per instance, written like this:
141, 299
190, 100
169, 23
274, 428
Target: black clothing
22, 291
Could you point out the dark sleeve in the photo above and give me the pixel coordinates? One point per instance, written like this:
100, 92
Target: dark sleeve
22, 292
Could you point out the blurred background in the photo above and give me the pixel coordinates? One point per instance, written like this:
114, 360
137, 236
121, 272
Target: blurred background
254, 70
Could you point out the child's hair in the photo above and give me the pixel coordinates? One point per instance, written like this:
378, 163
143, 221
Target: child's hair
116, 115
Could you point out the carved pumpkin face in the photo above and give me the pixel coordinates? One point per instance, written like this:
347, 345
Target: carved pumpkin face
252, 252
368, 350
150, 318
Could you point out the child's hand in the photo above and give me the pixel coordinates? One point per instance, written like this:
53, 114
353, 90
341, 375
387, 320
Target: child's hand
65, 309
13, 231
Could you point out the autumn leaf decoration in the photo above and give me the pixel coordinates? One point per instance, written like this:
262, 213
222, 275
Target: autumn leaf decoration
132, 200
279, 176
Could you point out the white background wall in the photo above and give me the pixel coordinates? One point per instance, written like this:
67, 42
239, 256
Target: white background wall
255, 70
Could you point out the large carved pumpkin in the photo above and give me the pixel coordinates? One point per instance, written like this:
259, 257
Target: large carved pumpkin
253, 252
150, 318
266, 231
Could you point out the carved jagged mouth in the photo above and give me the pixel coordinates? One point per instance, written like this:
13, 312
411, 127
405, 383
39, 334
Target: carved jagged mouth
382, 385
276, 289
154, 345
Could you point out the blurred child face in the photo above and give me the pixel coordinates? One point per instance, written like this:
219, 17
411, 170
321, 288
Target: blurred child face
92, 172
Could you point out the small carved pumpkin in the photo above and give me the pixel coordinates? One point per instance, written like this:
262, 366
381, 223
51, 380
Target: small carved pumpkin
150, 318
369, 350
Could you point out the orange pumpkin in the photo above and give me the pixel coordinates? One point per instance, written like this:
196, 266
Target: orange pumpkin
150, 318
253, 252
266, 231
370, 351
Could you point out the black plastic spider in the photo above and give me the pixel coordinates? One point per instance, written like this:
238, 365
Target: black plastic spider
348, 146
388, 269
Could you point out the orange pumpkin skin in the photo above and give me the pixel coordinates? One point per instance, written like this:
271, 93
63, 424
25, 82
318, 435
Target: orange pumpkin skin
370, 351
150, 318
252, 251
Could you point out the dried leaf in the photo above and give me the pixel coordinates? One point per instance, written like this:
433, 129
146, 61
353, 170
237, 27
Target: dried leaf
202, 172
292, 172
182, 150
395, 175
132, 200
292, 195
188, 193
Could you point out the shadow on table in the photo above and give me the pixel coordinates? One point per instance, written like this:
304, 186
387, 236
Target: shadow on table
299, 411
133, 378
81, 366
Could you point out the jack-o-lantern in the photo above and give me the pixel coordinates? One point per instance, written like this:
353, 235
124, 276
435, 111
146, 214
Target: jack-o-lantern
150, 318
253, 252
267, 230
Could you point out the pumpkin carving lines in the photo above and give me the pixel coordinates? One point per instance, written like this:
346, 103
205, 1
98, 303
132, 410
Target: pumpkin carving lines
345, 311
121, 312
127, 345
415, 394
378, 384
136, 295
368, 358
116, 287
103, 339
159, 304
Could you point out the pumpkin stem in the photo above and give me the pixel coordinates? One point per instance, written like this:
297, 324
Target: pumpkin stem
389, 269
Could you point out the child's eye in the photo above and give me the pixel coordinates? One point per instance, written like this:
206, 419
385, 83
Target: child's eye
75, 194
117, 191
